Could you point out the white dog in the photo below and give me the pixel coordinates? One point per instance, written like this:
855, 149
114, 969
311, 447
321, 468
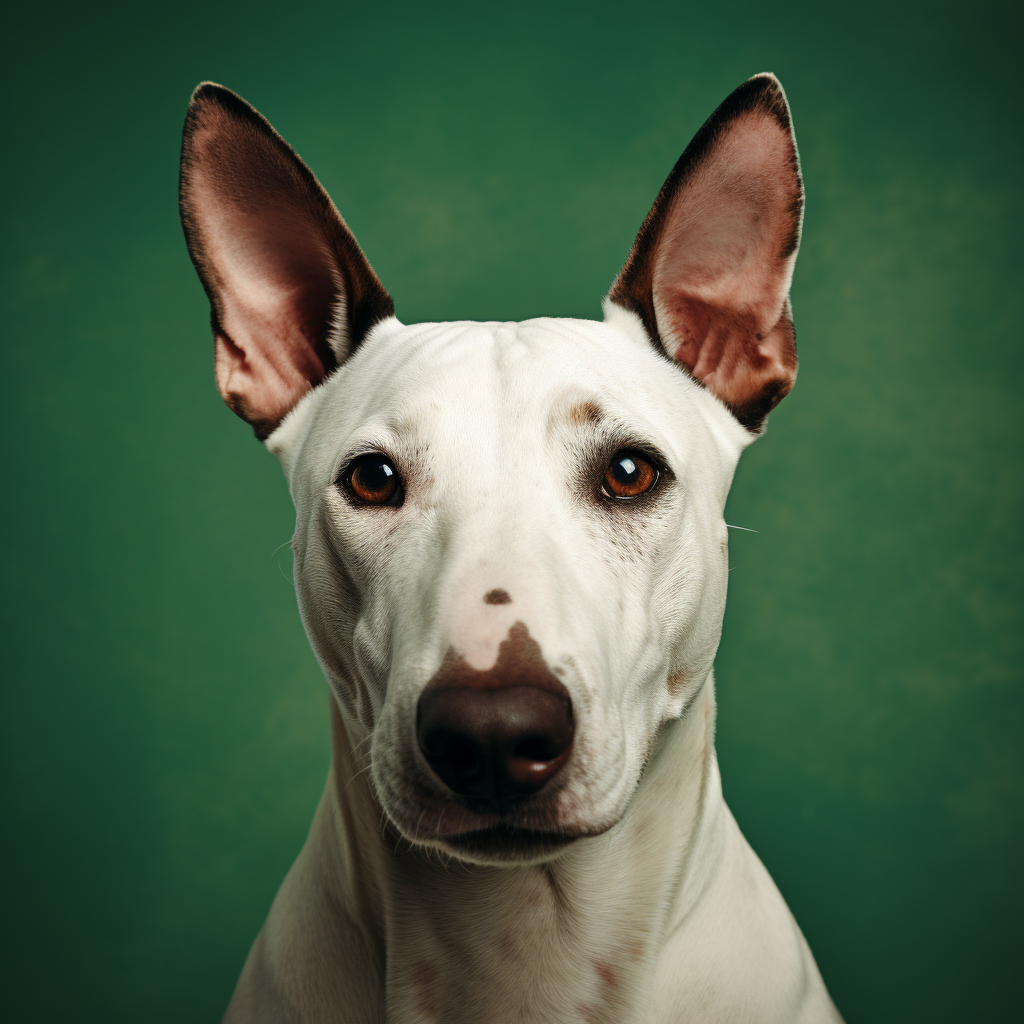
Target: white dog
511, 563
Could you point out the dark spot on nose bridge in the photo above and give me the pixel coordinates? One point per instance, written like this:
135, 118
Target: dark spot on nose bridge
498, 596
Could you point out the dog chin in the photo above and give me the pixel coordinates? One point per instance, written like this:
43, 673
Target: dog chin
506, 844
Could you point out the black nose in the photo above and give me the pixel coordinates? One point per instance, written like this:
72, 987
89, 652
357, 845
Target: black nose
495, 744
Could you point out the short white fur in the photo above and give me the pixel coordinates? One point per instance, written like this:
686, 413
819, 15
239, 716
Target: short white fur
654, 909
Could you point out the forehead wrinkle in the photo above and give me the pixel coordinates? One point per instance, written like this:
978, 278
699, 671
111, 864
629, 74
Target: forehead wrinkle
412, 385
409, 424
415, 356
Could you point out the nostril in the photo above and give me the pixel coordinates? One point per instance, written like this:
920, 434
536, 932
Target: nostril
535, 748
495, 745
451, 755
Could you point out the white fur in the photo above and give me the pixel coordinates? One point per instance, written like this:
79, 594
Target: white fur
662, 913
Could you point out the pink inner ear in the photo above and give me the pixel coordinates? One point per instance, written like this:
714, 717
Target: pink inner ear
289, 287
724, 260
275, 297
273, 277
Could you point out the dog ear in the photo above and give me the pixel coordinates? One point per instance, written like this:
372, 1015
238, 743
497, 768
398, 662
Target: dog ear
710, 269
291, 293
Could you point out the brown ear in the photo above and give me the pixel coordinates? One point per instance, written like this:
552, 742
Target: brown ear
710, 269
290, 291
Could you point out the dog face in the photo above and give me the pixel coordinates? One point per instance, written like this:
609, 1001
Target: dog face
510, 552
501, 437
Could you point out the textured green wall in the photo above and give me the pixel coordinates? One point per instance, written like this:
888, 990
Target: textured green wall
165, 724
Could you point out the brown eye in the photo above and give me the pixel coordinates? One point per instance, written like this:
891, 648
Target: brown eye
628, 475
373, 479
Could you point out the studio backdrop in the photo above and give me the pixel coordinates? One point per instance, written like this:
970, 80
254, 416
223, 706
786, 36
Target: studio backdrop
165, 723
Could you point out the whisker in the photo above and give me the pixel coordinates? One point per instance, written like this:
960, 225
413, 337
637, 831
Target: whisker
274, 552
354, 776
745, 529
355, 759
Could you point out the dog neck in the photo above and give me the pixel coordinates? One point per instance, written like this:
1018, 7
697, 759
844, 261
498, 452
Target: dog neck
576, 937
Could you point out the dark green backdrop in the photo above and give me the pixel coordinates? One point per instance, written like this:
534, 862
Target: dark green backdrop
166, 728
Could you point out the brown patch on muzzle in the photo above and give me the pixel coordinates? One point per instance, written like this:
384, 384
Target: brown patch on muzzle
520, 663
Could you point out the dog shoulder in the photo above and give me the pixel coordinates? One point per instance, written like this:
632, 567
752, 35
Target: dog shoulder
310, 963
740, 954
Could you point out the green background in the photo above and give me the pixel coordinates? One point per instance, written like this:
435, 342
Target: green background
165, 728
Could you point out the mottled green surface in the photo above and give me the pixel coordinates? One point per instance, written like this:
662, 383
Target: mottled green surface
165, 725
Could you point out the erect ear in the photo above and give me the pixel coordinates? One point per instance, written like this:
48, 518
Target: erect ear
710, 269
290, 291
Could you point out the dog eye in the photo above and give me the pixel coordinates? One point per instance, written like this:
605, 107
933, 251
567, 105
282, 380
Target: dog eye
374, 480
628, 475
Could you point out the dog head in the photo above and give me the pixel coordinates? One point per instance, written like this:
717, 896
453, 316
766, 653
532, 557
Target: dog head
510, 552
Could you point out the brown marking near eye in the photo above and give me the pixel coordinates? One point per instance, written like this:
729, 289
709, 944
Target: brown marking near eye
676, 683
497, 596
607, 973
584, 412
423, 977
588, 1014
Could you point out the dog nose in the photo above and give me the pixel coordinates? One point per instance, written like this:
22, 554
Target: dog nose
498, 744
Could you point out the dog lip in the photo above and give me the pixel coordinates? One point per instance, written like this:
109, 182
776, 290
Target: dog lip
458, 818
481, 816
504, 839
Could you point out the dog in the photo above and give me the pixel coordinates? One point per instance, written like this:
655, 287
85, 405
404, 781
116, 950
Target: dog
511, 559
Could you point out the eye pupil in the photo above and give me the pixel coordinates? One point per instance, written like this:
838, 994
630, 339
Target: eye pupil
625, 470
374, 474
374, 480
629, 474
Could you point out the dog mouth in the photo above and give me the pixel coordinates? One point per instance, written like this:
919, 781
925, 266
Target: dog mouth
529, 830
506, 842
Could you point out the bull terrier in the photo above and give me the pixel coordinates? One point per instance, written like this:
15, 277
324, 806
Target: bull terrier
511, 559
